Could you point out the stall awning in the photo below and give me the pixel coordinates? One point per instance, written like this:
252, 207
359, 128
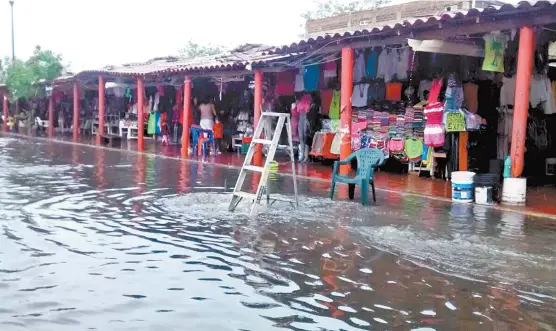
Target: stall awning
446, 47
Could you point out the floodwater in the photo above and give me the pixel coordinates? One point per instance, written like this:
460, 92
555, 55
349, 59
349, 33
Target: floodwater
94, 239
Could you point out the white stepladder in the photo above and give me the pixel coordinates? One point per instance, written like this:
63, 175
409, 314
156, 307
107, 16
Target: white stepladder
265, 123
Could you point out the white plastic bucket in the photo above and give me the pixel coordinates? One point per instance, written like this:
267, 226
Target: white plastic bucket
462, 186
514, 191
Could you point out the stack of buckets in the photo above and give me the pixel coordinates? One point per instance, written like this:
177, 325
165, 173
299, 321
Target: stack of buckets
462, 186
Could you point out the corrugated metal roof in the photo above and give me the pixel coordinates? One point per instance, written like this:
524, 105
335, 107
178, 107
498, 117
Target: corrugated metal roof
236, 59
422, 22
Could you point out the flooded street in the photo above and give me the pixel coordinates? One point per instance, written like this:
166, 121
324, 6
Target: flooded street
95, 239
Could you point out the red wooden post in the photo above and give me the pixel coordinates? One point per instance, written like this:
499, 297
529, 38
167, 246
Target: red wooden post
521, 106
186, 117
76, 111
140, 113
101, 105
5, 108
258, 105
51, 115
345, 109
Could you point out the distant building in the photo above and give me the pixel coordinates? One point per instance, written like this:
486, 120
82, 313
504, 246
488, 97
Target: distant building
390, 15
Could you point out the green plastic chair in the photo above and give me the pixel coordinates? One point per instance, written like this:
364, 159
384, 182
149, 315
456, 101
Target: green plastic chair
368, 159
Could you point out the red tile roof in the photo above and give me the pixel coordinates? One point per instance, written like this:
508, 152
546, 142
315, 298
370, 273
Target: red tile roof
507, 10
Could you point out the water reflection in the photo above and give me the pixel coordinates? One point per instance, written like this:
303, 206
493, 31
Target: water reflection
136, 242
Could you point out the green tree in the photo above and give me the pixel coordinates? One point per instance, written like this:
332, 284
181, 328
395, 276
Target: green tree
329, 8
22, 77
193, 49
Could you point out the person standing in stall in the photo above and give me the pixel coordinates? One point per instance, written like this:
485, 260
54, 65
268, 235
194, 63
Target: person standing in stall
207, 112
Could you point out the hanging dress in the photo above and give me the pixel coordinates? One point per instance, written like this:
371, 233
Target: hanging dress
151, 125
434, 130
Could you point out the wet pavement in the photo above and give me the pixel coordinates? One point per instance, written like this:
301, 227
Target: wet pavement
105, 240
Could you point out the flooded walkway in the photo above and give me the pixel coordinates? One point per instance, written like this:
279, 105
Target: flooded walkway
104, 240
541, 201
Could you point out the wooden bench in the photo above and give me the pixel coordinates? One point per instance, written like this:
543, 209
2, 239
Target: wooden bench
111, 140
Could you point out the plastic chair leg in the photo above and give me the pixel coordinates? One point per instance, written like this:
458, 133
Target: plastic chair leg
332, 187
373, 187
365, 193
351, 191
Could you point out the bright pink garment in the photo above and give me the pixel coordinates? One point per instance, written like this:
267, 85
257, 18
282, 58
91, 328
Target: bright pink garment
303, 104
436, 86
358, 126
434, 113
285, 82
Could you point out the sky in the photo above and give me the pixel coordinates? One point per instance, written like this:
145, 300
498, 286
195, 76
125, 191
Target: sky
92, 34
95, 33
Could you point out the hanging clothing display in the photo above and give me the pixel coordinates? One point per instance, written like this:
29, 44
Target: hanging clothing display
377, 91
285, 82
494, 52
453, 95
326, 100
334, 111
471, 97
372, 64
384, 70
330, 70
434, 130
360, 95
402, 62
151, 124
393, 91
541, 93
413, 149
311, 75
299, 85
359, 68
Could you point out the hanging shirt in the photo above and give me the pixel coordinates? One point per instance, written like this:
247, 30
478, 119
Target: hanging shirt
372, 64
299, 83
471, 97
377, 91
330, 69
151, 124
402, 65
494, 52
359, 68
507, 91
359, 96
285, 82
311, 76
393, 91
334, 111
384, 66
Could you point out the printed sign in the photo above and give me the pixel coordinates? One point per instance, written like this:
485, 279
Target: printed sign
455, 122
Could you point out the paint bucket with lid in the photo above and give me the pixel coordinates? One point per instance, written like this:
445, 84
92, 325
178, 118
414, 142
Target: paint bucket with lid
462, 186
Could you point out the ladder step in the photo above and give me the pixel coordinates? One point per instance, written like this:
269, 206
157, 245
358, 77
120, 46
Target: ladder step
262, 141
245, 195
253, 168
274, 114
